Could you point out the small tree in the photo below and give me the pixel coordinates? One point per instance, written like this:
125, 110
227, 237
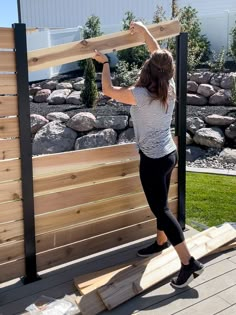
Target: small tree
135, 55
92, 28
198, 45
89, 93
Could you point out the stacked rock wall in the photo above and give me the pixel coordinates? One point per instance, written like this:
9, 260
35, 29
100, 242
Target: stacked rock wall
60, 122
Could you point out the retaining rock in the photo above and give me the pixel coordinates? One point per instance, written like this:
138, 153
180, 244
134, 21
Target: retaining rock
54, 137
218, 120
82, 122
42, 95
37, 122
58, 97
210, 137
96, 139
194, 123
195, 99
58, 116
114, 122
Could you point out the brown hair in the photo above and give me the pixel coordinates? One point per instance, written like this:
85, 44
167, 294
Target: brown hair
156, 73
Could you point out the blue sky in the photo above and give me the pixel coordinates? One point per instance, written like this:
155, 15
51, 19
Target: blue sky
8, 13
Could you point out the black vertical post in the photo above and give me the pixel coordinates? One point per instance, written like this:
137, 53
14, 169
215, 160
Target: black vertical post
180, 121
25, 153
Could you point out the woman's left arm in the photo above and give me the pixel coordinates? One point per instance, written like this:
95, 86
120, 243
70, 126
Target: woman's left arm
121, 94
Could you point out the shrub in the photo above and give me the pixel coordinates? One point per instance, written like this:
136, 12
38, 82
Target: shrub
89, 93
123, 76
136, 55
218, 61
233, 43
233, 92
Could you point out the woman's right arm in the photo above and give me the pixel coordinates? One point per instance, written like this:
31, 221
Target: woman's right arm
139, 27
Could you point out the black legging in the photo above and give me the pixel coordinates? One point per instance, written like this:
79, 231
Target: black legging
155, 177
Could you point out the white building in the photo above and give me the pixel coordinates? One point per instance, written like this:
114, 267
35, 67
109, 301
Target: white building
217, 16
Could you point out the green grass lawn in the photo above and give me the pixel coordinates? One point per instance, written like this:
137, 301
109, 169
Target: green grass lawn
210, 199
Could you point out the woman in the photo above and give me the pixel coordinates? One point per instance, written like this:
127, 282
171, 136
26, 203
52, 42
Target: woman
153, 97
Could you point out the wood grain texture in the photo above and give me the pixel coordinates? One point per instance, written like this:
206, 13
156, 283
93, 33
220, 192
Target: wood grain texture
92, 174
75, 160
10, 191
92, 210
89, 193
7, 61
84, 49
10, 170
9, 149
12, 270
11, 211
10, 251
8, 84
79, 232
139, 278
94, 245
7, 38
9, 127
8, 105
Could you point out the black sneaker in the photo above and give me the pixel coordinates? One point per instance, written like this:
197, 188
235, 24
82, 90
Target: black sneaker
188, 273
152, 249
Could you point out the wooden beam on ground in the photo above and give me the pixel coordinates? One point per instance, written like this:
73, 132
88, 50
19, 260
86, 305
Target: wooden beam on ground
61, 54
143, 275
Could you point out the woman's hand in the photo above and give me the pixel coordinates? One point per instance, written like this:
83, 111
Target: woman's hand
137, 27
99, 57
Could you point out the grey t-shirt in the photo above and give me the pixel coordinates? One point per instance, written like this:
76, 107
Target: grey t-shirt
152, 122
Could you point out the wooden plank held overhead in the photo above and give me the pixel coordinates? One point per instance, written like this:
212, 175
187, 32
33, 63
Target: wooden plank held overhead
61, 54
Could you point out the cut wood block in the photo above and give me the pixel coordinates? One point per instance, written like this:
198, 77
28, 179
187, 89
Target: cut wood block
61, 54
231, 245
90, 304
119, 291
7, 38
143, 275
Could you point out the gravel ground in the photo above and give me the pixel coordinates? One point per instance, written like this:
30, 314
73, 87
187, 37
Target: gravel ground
211, 159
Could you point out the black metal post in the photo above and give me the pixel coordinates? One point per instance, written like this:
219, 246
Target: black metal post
26, 153
19, 11
180, 121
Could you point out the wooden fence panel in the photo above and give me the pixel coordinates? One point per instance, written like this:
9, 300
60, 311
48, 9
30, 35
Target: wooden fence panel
11, 211
9, 149
10, 191
10, 170
69, 161
7, 38
8, 84
12, 270
93, 245
8, 105
9, 127
92, 210
7, 61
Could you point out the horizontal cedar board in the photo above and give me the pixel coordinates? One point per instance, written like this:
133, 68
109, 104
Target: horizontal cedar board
8, 84
61, 54
7, 38
12, 233
10, 170
75, 196
11, 251
75, 160
9, 127
12, 270
9, 149
90, 211
7, 61
11, 211
8, 105
10, 191
93, 245
44, 165
92, 174
97, 227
